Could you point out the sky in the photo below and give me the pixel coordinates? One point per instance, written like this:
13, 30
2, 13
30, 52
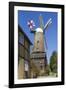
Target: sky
50, 32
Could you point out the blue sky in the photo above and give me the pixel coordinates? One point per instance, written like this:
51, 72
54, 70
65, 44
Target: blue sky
50, 33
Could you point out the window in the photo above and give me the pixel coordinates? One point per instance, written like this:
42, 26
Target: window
26, 69
41, 66
27, 44
37, 45
26, 74
37, 41
26, 65
21, 50
27, 54
21, 38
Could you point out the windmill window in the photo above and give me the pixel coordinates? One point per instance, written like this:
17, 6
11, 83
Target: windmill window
37, 44
38, 41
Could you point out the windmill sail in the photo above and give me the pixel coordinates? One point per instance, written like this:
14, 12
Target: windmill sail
48, 23
41, 22
45, 43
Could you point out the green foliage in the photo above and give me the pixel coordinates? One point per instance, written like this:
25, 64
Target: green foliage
53, 62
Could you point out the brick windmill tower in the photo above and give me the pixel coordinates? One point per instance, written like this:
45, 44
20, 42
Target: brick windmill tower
38, 54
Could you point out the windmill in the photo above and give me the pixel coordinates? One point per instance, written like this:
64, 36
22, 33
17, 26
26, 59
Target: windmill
38, 54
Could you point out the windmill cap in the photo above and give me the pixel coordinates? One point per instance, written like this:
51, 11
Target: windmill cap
39, 30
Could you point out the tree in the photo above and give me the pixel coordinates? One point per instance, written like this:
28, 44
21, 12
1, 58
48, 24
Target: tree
53, 62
